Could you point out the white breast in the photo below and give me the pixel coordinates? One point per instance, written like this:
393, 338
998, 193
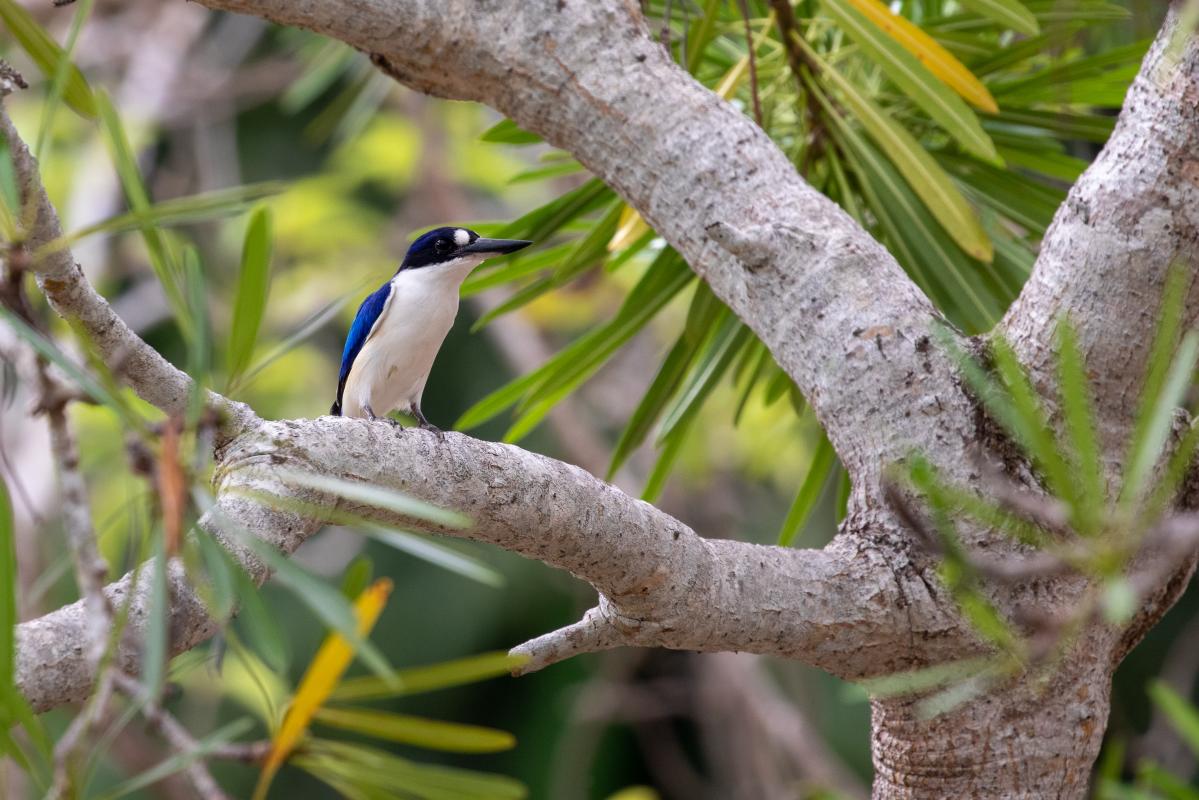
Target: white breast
394, 363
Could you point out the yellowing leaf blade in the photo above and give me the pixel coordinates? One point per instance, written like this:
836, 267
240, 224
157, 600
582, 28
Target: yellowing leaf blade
926, 177
939, 61
322, 676
915, 80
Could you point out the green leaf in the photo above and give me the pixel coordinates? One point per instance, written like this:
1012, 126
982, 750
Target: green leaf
418, 680
218, 586
323, 600
1182, 715
703, 313
1018, 408
545, 386
253, 284
508, 132
357, 576
49, 351
62, 74
323, 69
310, 326
417, 731
182, 760
924, 175
1009, 13
177, 211
259, 625
519, 267
46, 53
562, 374
914, 80
1095, 128
819, 467
1153, 429
1079, 415
918, 241
377, 774
540, 223
1020, 199
1060, 82
199, 335
670, 446
437, 554
377, 497
162, 258
154, 653
711, 366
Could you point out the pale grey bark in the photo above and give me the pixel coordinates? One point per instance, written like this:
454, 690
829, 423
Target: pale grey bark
840, 317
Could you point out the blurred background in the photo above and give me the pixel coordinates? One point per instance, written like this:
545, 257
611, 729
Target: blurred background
213, 103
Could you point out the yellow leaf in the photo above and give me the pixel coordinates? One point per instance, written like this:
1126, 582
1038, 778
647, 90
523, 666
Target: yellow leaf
936, 58
323, 675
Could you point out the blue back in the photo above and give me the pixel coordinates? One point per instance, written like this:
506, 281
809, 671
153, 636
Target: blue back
368, 314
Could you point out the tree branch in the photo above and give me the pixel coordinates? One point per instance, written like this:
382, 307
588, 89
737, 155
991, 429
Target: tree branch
1128, 218
835, 309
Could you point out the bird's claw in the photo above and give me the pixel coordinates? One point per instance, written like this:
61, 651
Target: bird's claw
425, 426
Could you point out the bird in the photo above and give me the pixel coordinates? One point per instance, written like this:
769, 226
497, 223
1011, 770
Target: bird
399, 328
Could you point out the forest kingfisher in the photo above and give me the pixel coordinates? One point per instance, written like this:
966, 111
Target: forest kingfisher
399, 328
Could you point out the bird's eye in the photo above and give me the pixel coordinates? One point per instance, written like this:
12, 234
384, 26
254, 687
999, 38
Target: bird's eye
442, 246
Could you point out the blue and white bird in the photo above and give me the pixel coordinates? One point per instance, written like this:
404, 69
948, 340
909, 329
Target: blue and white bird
399, 328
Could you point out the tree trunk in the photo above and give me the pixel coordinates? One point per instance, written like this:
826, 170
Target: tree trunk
1026, 739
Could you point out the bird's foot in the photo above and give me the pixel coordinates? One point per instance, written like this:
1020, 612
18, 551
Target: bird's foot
373, 417
425, 425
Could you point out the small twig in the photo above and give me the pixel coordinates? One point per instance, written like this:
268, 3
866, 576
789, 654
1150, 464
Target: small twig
595, 631
751, 49
177, 736
799, 63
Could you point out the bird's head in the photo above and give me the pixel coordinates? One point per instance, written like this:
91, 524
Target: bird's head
446, 247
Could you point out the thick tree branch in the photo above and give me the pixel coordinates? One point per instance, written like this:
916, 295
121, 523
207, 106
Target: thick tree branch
834, 307
662, 584
1132, 214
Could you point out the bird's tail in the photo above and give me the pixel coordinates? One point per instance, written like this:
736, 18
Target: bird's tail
336, 409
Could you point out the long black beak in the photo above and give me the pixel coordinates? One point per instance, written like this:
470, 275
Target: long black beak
495, 247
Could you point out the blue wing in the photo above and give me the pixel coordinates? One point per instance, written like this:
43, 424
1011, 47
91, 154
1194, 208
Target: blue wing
368, 314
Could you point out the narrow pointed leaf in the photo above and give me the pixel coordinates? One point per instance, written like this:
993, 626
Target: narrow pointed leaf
417, 731
923, 174
1009, 13
1155, 430
253, 283
182, 760
418, 680
323, 674
377, 496
939, 61
1181, 713
915, 81
46, 53
1078, 411
809, 492
439, 555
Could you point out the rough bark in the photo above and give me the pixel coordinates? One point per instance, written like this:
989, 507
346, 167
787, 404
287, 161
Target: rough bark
840, 317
